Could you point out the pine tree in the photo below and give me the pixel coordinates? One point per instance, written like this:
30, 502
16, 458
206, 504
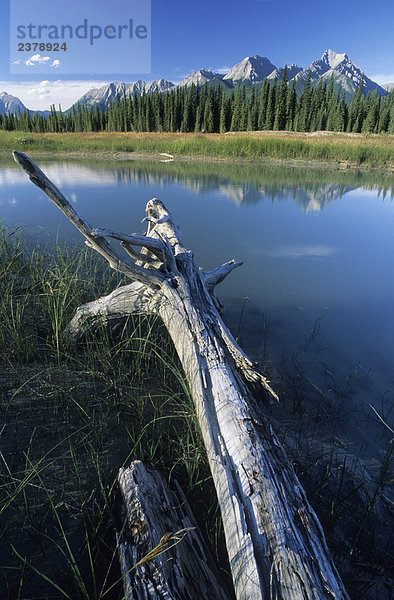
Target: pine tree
252, 121
224, 115
208, 123
263, 103
371, 113
236, 115
291, 106
384, 115
304, 108
270, 116
355, 109
390, 128
280, 108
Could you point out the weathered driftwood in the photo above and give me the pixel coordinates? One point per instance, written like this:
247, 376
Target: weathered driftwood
162, 553
276, 546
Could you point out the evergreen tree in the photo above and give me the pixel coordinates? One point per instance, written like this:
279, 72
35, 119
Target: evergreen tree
371, 113
270, 116
224, 115
390, 128
188, 119
236, 114
355, 110
263, 103
304, 109
252, 121
280, 108
208, 123
384, 115
291, 106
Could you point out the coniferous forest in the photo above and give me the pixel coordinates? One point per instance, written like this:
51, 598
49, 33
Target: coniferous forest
208, 109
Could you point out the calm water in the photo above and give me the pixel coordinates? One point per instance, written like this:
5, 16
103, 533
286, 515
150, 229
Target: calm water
316, 292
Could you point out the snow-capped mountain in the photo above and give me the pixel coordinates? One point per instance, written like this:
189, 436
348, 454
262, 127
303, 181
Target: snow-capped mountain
292, 71
388, 87
102, 96
201, 76
10, 104
339, 64
252, 68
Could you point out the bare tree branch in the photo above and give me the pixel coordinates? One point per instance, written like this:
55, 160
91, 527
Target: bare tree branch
216, 276
275, 543
135, 272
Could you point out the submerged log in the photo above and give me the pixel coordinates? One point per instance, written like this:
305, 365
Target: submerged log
162, 553
275, 543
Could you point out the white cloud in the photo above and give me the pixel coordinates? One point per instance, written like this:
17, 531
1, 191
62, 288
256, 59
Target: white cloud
39, 95
37, 59
302, 251
17, 62
42, 92
382, 78
56, 63
222, 70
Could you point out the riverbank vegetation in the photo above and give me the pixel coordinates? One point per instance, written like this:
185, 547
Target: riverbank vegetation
208, 109
349, 149
73, 414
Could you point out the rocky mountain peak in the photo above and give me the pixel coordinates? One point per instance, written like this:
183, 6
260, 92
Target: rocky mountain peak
252, 68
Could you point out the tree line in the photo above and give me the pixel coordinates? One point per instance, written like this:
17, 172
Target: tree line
274, 106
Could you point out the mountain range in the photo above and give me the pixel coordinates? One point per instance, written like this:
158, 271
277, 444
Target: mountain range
252, 70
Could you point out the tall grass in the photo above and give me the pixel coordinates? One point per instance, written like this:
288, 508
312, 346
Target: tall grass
372, 150
71, 417
350, 491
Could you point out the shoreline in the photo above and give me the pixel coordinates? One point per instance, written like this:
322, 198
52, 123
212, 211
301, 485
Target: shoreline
117, 155
328, 150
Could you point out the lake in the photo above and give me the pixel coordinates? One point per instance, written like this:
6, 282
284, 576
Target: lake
315, 295
312, 303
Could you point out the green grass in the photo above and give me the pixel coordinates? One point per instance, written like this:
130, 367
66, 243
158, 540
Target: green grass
73, 414
361, 150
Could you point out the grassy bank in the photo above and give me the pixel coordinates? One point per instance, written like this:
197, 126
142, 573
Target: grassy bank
353, 149
72, 415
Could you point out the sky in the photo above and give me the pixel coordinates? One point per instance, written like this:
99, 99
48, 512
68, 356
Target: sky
127, 40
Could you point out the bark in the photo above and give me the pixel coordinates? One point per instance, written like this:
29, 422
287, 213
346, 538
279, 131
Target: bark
276, 546
162, 553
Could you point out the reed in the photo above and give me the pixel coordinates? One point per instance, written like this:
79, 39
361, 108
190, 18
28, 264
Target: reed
72, 415
357, 149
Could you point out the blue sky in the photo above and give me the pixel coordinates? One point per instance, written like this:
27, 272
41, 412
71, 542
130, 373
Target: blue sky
186, 36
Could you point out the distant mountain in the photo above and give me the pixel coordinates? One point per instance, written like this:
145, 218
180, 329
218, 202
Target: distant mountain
10, 104
201, 76
102, 96
388, 87
251, 69
339, 64
292, 71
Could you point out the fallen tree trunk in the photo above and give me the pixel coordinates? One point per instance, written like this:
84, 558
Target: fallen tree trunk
276, 546
162, 553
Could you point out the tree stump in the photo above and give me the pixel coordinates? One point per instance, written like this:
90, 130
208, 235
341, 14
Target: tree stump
162, 553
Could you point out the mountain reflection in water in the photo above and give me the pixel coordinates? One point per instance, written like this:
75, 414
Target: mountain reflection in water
331, 258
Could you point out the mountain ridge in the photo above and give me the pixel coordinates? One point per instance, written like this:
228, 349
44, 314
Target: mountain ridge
251, 70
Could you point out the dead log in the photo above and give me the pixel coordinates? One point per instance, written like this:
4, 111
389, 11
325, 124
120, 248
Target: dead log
162, 553
275, 543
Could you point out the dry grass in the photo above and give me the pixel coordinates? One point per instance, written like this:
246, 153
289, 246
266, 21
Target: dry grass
354, 149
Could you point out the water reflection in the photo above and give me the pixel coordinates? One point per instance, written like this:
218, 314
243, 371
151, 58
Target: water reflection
313, 299
314, 242
311, 189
